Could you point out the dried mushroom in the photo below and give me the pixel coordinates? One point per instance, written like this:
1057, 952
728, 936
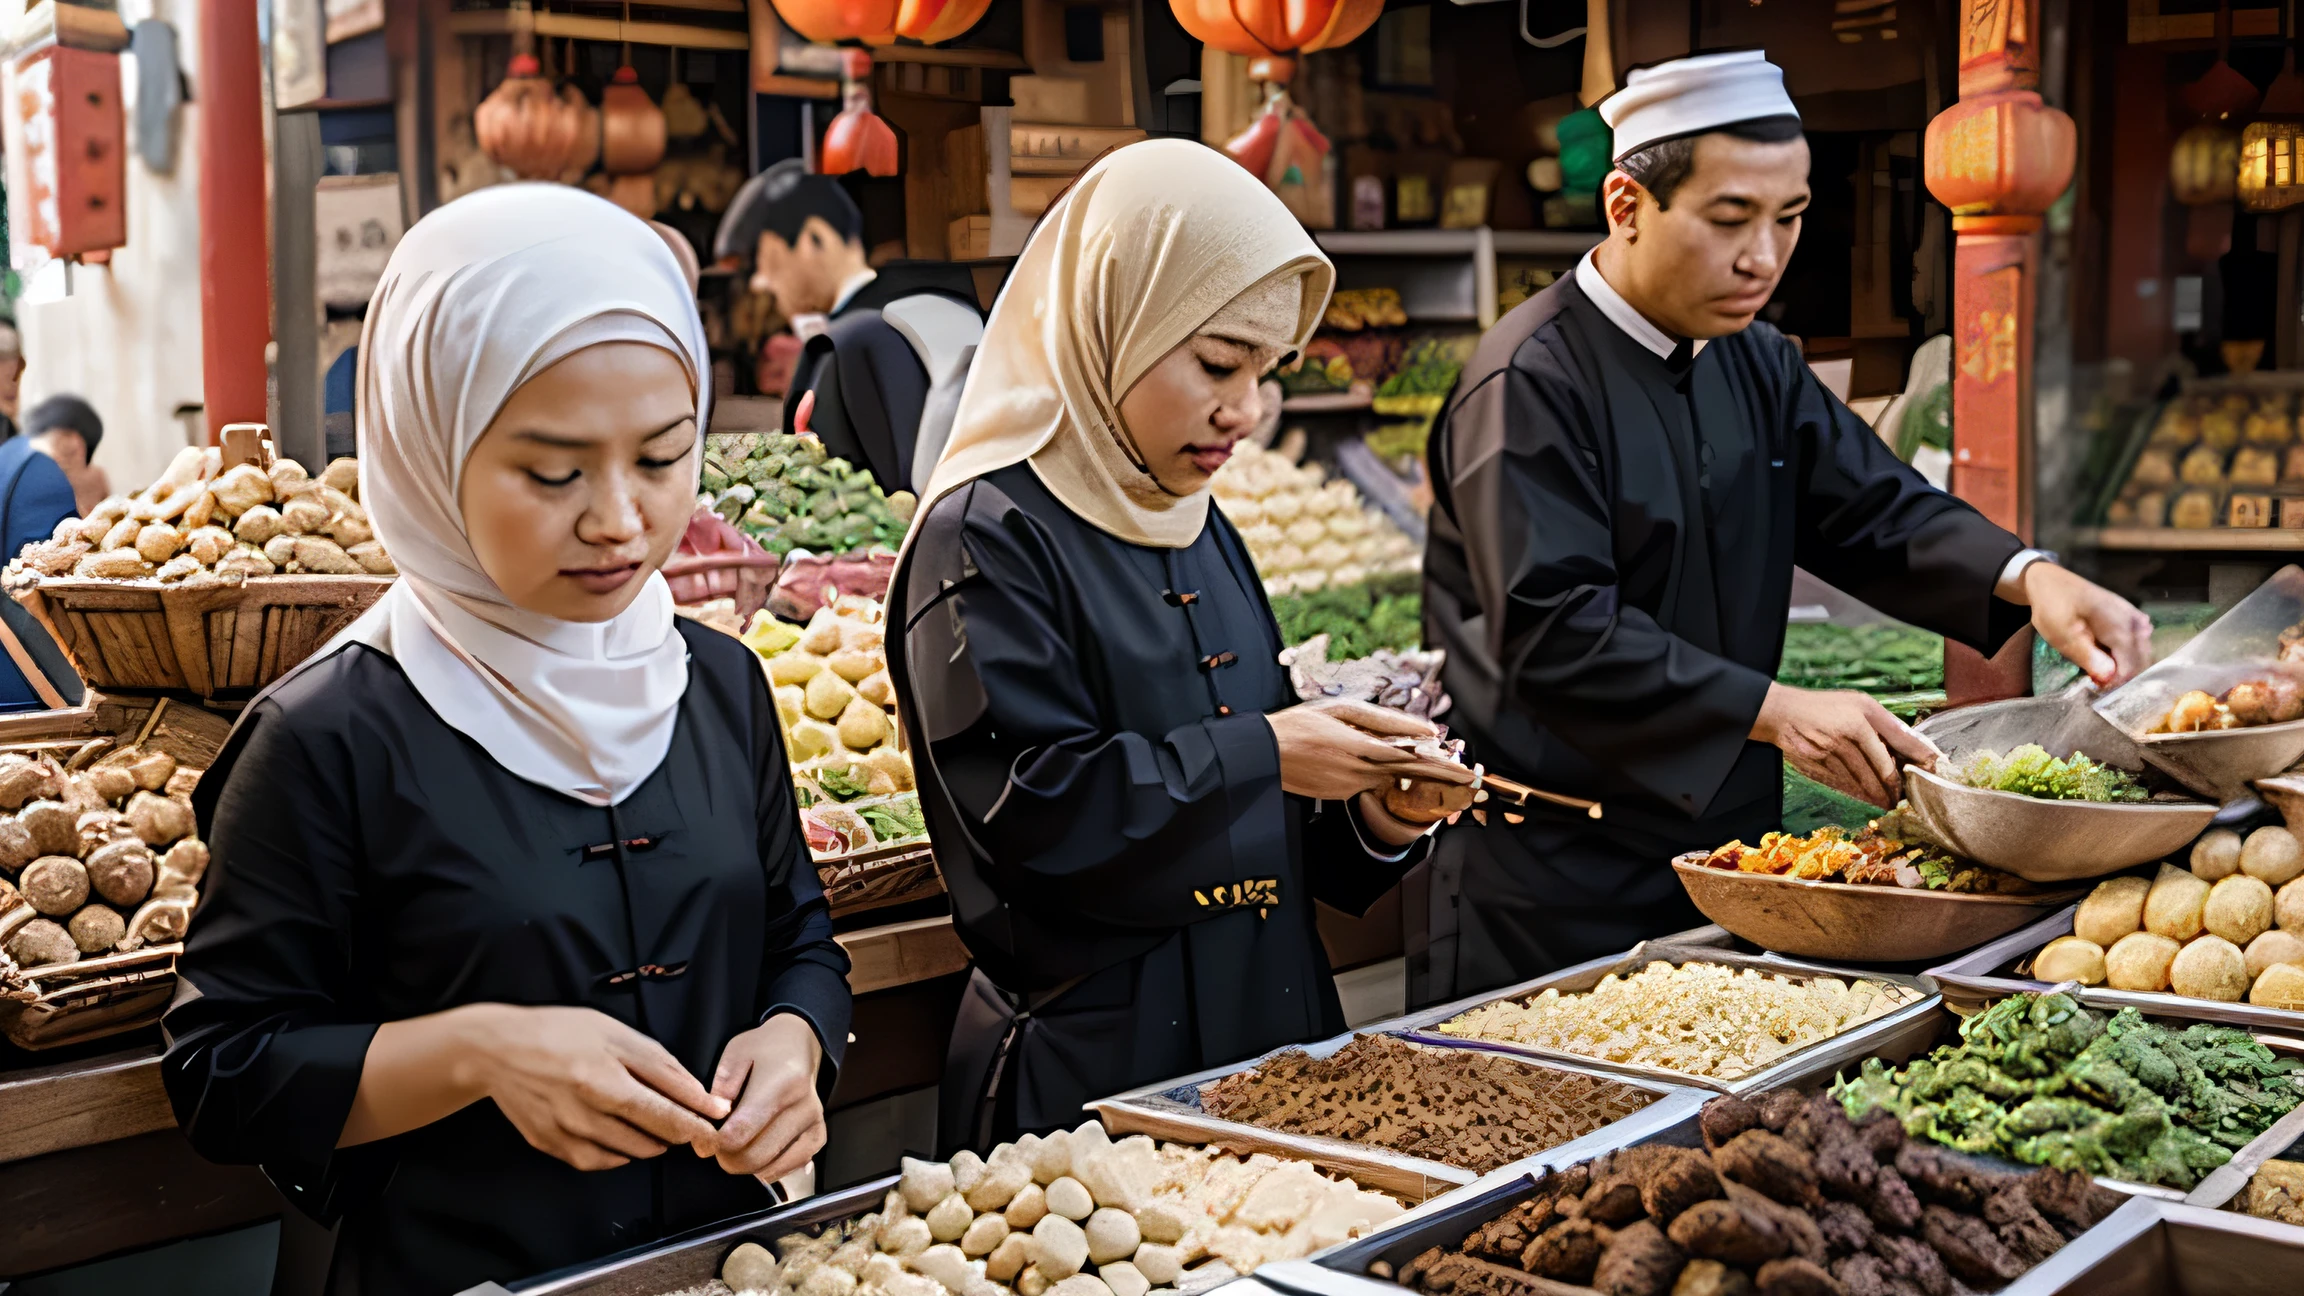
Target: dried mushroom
112, 783
152, 770
181, 783
55, 827
97, 928
24, 780
159, 820
182, 868
40, 943
16, 848
55, 884
160, 921
196, 525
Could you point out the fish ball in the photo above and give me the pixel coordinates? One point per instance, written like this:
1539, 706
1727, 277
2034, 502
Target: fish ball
949, 1218
2281, 986
2116, 907
984, 1235
2174, 906
2288, 907
967, 1171
1069, 1198
2273, 855
1162, 1222
1003, 1179
1123, 1279
908, 1237
2274, 947
2210, 968
1027, 1206
2216, 855
751, 1267
924, 1183
1009, 1258
1160, 1262
1059, 1247
1081, 1285
2139, 961
2069, 958
2239, 909
1112, 1235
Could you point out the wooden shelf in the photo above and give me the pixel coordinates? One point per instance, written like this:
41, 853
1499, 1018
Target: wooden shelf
503, 22
2191, 540
989, 59
76, 1104
1560, 243
1343, 402
900, 954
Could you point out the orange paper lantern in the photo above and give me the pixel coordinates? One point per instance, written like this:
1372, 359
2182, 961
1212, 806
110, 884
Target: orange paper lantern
526, 125
2005, 155
880, 22
857, 140
1269, 30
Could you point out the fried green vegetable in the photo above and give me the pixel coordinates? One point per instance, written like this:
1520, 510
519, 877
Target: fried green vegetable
2041, 1080
1358, 619
786, 493
2030, 771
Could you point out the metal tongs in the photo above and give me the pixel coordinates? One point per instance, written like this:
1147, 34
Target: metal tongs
1495, 786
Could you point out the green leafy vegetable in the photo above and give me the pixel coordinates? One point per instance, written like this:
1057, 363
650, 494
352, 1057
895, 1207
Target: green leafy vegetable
844, 784
1358, 619
2030, 771
2041, 1080
896, 819
786, 493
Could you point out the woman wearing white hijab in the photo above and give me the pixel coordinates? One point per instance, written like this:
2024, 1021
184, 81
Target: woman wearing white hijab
1132, 819
509, 894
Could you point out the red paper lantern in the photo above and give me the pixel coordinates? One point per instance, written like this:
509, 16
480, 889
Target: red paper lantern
1270, 30
880, 22
857, 140
2005, 155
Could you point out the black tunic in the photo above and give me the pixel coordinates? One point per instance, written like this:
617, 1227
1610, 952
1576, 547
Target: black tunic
1609, 569
1106, 801
372, 864
869, 383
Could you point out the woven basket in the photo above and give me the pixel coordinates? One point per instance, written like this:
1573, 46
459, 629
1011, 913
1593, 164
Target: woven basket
71, 1003
879, 878
211, 640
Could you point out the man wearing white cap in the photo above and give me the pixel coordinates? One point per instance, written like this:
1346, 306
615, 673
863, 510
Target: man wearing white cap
1625, 477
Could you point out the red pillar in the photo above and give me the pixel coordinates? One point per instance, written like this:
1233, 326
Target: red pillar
1998, 158
235, 259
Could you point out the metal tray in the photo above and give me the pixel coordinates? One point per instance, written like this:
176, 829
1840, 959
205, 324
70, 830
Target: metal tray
1343, 1270
1878, 1037
693, 1258
2157, 1248
1989, 972
1171, 1110
2222, 1187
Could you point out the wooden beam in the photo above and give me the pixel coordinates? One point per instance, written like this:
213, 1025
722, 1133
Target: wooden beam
902, 953
503, 22
79, 1104
795, 87
934, 56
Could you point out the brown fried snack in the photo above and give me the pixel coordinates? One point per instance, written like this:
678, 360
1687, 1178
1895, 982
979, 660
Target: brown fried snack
1725, 1231
1504, 1238
1883, 1134
1614, 1197
1973, 1253
1675, 1180
1889, 1200
1797, 1278
1771, 1163
1456, 1275
1946, 1178
1639, 1261
1778, 1107
1712, 1278
2013, 1217
1868, 1275
1725, 1117
1844, 1161
2071, 1199
1911, 1261
1846, 1228
1569, 1250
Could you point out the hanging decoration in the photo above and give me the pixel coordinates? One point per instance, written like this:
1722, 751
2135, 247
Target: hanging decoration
531, 130
1289, 154
1270, 31
880, 22
2204, 165
857, 139
2270, 178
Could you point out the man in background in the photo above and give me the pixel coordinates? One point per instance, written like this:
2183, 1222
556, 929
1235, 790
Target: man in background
877, 343
35, 495
67, 430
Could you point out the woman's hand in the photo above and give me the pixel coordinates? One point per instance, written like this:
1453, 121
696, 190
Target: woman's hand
1331, 751
581, 1086
769, 1073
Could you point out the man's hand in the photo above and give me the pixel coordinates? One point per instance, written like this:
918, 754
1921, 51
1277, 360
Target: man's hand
769, 1073
2096, 629
1843, 740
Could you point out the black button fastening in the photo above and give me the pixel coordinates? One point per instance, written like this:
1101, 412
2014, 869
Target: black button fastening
1216, 660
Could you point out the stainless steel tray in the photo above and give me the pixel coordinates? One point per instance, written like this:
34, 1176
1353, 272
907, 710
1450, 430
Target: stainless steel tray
2284, 1141
2156, 1248
1989, 972
690, 1259
1343, 1270
1870, 1039
1171, 1110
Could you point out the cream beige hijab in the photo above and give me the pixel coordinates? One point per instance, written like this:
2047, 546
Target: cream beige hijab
1154, 243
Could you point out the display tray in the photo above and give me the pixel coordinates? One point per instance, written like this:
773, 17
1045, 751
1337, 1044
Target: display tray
2223, 1185
679, 1263
1854, 923
1342, 1270
1912, 1027
2002, 968
2157, 1248
1171, 1111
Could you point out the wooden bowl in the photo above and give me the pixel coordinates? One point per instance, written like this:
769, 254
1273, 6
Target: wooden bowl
1845, 923
2050, 841
2221, 763
209, 639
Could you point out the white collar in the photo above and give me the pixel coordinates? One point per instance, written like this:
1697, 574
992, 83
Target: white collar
1621, 312
854, 285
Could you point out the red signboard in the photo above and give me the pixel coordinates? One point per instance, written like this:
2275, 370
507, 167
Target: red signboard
67, 174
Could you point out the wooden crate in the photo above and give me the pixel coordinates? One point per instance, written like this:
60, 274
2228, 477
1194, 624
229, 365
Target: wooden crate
72, 1003
210, 640
879, 878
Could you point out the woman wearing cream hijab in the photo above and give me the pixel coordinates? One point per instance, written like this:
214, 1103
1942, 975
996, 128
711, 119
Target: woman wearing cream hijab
509, 899
1132, 820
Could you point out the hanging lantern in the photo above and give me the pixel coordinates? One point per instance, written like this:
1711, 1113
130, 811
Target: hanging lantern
1585, 147
880, 22
1268, 31
632, 130
2270, 178
2204, 166
2005, 154
857, 139
528, 127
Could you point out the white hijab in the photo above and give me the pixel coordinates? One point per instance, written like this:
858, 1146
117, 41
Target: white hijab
1154, 243
480, 296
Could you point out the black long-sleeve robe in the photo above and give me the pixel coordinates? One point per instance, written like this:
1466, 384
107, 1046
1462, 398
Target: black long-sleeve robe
372, 864
1106, 805
1609, 569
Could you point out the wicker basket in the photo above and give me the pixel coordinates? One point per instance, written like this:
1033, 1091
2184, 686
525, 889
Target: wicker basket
212, 640
71, 1003
879, 878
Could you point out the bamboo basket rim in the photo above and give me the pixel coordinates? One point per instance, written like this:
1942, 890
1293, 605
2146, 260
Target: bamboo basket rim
75, 584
